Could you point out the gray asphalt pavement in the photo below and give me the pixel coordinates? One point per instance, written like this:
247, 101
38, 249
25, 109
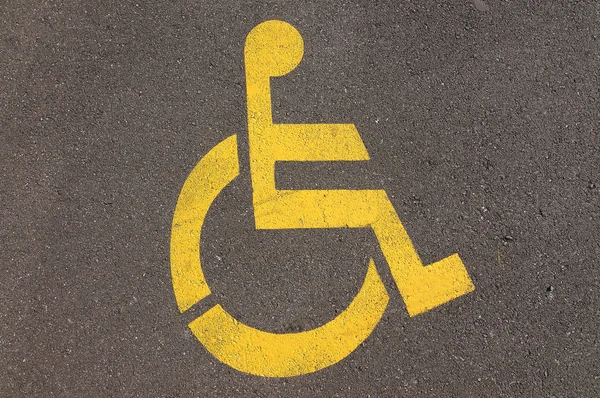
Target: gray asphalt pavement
482, 123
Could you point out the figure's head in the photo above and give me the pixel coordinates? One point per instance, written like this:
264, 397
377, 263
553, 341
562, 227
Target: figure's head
274, 48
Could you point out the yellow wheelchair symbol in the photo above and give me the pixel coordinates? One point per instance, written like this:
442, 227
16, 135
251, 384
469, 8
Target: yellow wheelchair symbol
275, 48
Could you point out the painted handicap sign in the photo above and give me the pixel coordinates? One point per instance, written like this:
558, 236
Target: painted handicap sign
275, 48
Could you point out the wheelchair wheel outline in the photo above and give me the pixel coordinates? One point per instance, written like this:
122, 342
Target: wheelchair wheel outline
240, 346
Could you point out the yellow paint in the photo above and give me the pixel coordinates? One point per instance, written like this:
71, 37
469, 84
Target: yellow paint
290, 354
212, 173
275, 48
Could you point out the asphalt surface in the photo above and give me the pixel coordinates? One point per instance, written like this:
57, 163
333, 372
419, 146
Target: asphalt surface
482, 122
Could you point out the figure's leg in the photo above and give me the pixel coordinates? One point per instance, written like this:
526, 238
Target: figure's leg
421, 287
